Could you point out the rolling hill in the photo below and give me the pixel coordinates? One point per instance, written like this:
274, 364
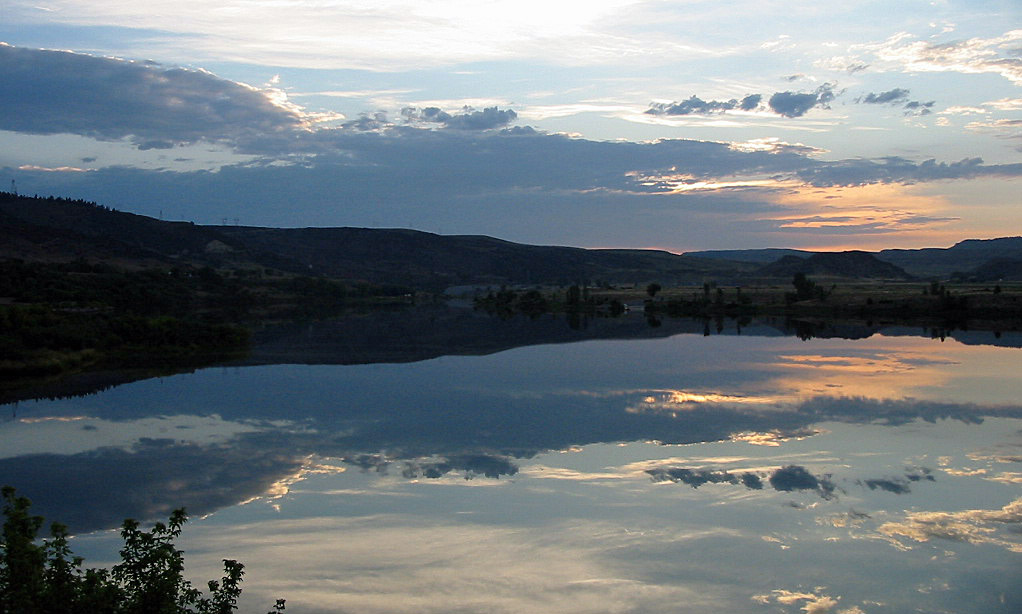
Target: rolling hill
58, 229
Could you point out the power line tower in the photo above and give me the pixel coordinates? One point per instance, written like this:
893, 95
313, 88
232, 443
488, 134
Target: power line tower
14, 188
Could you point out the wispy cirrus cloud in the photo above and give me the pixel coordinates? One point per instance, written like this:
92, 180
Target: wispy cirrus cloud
387, 35
998, 527
904, 52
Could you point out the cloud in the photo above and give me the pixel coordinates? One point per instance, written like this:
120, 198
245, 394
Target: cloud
469, 177
900, 485
472, 464
797, 104
469, 119
381, 36
1000, 128
697, 477
796, 477
1005, 104
999, 527
811, 602
698, 106
788, 104
895, 486
785, 479
152, 478
59, 92
971, 56
896, 95
900, 170
915, 107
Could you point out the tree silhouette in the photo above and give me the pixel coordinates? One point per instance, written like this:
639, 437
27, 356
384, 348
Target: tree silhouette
47, 578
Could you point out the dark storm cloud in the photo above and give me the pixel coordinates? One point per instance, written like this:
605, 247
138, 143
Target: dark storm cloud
58, 92
797, 104
698, 106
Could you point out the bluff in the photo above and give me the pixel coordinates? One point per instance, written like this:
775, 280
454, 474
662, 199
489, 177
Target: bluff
852, 264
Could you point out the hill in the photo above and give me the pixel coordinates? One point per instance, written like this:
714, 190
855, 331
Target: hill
64, 230
963, 256
755, 256
854, 264
53, 229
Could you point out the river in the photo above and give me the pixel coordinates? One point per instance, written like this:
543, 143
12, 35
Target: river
449, 462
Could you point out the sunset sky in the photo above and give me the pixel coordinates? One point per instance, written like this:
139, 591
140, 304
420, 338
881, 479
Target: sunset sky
679, 125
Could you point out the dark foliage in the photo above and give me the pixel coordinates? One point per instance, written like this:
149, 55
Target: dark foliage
46, 578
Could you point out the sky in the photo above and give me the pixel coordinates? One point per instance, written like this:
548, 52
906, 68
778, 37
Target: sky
677, 125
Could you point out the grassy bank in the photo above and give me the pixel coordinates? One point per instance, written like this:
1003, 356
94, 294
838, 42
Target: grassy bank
976, 306
58, 318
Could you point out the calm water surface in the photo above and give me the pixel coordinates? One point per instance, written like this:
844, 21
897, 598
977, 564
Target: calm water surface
687, 473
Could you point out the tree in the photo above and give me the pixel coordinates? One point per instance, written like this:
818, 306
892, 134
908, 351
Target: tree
806, 288
574, 296
47, 579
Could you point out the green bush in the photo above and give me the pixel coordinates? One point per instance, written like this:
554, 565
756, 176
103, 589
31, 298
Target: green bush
47, 578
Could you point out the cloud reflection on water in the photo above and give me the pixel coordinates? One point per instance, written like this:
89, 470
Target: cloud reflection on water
365, 470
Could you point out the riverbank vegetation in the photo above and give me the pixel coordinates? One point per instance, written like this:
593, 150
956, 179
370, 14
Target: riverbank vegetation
995, 306
61, 317
47, 578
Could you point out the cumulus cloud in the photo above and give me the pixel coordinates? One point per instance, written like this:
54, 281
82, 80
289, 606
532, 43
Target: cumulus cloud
797, 104
896, 95
470, 464
698, 106
156, 107
916, 107
697, 477
788, 104
468, 119
786, 479
796, 477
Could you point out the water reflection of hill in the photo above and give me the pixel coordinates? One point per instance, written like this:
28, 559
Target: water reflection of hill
438, 330
430, 331
226, 435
